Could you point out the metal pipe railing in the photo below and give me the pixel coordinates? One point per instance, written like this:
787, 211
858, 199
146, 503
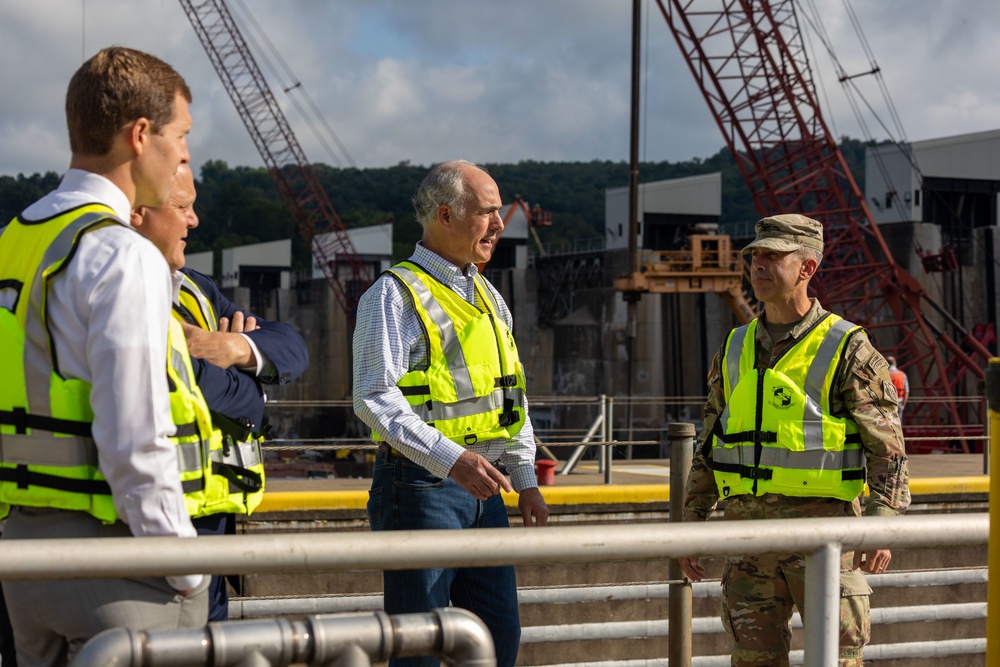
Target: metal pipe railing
455, 635
575, 455
962, 611
400, 550
680, 607
822, 579
332, 604
403, 550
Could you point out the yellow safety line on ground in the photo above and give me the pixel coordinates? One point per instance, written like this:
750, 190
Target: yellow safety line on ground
297, 501
301, 501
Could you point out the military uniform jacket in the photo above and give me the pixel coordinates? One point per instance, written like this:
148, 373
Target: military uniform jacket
866, 395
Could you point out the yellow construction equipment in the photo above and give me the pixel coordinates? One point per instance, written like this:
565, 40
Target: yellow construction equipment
709, 264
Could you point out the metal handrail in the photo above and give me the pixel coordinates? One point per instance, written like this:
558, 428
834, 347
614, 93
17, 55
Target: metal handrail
331, 603
822, 539
405, 550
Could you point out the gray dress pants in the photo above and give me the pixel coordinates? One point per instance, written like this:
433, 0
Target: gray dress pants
53, 619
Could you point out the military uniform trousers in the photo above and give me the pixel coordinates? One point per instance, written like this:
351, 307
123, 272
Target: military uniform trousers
53, 619
759, 592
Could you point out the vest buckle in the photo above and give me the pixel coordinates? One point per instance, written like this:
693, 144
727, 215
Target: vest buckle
505, 381
757, 473
508, 418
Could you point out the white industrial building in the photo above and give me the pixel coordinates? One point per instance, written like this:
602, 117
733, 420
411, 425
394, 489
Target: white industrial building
258, 266
936, 204
666, 210
902, 183
373, 244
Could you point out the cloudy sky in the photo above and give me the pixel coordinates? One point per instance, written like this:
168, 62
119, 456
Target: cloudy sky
490, 81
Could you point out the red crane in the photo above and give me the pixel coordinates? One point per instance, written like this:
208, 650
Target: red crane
749, 59
293, 174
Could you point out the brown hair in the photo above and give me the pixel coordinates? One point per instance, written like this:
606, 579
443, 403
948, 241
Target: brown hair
115, 87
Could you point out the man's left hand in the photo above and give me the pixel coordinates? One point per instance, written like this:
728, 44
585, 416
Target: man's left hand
534, 511
225, 347
873, 562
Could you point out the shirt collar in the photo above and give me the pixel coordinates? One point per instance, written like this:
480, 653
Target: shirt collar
439, 267
99, 188
176, 280
815, 312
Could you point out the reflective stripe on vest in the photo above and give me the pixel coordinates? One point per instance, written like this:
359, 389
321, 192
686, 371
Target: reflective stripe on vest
774, 457
38, 466
814, 384
37, 354
195, 305
468, 408
473, 388
49, 450
235, 480
453, 353
793, 445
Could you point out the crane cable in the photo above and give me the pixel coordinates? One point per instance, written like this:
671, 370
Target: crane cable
853, 93
295, 85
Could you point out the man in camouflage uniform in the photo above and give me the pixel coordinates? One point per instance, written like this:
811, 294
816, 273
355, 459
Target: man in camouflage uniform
759, 591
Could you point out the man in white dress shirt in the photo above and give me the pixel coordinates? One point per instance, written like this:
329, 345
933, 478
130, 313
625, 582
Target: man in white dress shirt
108, 311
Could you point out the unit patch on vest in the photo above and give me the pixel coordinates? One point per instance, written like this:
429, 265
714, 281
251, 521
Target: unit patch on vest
781, 399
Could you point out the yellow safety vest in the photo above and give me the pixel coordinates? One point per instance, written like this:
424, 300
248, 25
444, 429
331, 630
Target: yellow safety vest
236, 484
776, 433
473, 388
47, 454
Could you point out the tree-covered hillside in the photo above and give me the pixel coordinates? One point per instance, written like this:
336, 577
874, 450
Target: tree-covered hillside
240, 205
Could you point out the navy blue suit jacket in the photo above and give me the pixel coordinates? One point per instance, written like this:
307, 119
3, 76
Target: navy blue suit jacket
236, 394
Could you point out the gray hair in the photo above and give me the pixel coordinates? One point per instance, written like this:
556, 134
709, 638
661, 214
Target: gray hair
443, 185
811, 253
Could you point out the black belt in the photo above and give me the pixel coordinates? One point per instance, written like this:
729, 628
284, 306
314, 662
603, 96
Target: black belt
389, 451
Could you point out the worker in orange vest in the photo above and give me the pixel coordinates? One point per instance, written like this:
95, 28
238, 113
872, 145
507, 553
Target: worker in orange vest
901, 382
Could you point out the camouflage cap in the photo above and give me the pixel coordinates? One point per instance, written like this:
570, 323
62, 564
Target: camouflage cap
786, 233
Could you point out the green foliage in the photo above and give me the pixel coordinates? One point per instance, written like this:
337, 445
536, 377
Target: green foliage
17, 193
241, 205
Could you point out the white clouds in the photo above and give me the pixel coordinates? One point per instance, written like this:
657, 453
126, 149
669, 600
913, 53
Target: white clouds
938, 60
490, 81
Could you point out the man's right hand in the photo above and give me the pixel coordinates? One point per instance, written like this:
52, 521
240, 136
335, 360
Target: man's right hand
477, 476
694, 570
224, 348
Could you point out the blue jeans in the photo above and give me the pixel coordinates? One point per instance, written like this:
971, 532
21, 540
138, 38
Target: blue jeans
405, 496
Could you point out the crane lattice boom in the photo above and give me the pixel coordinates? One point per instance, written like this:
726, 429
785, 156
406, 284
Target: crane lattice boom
749, 59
